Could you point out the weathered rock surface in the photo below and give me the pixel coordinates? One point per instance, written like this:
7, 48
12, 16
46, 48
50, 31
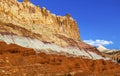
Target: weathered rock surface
102, 48
114, 55
27, 25
13, 48
40, 43
16, 60
37, 20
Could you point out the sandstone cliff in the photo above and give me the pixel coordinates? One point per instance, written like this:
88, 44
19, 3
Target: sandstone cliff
37, 20
35, 42
30, 26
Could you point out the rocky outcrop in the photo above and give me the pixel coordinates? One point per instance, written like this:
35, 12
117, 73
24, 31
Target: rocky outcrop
115, 55
76, 49
30, 26
34, 42
37, 20
16, 60
102, 48
112, 54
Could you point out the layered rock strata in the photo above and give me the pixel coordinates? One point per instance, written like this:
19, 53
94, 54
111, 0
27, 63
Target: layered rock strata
38, 21
30, 26
16, 60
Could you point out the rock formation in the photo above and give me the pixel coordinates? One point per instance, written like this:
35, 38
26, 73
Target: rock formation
27, 25
16, 60
102, 48
35, 42
38, 20
112, 54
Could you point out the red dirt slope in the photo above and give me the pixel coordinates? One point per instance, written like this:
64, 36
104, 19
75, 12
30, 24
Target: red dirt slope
19, 61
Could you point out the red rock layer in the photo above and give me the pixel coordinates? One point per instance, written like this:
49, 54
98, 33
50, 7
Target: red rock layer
15, 49
16, 60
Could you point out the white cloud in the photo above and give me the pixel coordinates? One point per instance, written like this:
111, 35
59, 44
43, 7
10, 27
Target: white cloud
98, 42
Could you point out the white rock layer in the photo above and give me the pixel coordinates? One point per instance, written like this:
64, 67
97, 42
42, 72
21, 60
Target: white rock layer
39, 46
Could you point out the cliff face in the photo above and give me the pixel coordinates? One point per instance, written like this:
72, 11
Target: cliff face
30, 26
35, 42
37, 20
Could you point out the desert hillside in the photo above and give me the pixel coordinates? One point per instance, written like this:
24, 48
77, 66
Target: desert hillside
35, 42
16, 60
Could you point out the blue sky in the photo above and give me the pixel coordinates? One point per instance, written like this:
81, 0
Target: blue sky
98, 20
